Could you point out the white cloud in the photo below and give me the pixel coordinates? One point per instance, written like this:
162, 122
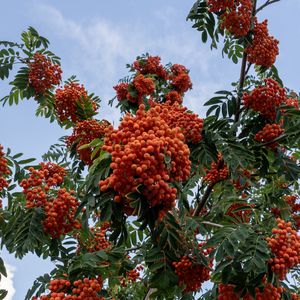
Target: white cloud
99, 50
7, 283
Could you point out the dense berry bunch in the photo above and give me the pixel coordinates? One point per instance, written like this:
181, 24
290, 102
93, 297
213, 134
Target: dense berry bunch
292, 102
269, 292
83, 133
238, 19
177, 116
62, 289
240, 215
69, 99
220, 5
265, 99
43, 74
285, 247
173, 97
264, 48
4, 170
218, 171
40, 181
134, 92
180, 79
190, 274
60, 214
291, 201
268, 134
146, 152
98, 239
150, 65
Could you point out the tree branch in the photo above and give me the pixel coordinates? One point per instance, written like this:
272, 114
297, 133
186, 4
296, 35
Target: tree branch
243, 73
202, 202
149, 293
269, 2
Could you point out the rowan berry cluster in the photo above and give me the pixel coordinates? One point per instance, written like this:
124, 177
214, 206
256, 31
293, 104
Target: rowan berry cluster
59, 205
237, 19
131, 276
167, 83
98, 240
268, 134
173, 97
264, 48
218, 171
40, 181
82, 289
285, 247
180, 79
218, 6
190, 274
4, 170
60, 214
266, 99
134, 92
83, 133
291, 102
177, 116
69, 99
150, 65
270, 292
240, 215
146, 153
43, 74
294, 209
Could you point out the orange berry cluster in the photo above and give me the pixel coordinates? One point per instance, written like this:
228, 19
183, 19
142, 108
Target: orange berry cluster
285, 247
43, 74
241, 215
146, 152
134, 92
68, 99
180, 79
264, 48
218, 171
237, 20
167, 83
173, 97
295, 297
177, 116
98, 241
220, 5
40, 181
60, 214
295, 209
150, 65
190, 274
265, 99
270, 292
59, 208
62, 289
4, 171
292, 102
131, 276
83, 133
268, 134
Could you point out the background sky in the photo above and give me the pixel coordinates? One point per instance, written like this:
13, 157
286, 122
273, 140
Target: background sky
95, 39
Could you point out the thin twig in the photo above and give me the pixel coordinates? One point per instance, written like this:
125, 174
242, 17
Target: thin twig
149, 293
212, 224
269, 2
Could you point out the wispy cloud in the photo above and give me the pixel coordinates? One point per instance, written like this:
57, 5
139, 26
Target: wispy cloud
7, 283
100, 49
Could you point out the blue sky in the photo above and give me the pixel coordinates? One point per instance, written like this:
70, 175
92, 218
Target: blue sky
95, 39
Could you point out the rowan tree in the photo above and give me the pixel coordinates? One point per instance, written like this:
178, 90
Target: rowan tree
167, 200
